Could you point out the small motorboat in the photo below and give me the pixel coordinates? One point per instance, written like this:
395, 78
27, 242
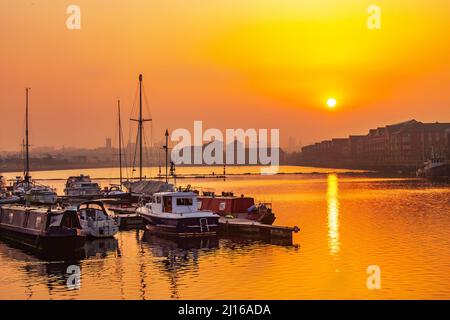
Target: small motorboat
115, 191
82, 186
95, 220
436, 168
6, 197
41, 195
21, 186
176, 213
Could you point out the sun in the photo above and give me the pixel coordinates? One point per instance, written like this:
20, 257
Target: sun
331, 102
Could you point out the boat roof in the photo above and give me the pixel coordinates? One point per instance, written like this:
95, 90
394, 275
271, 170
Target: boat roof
176, 194
42, 209
225, 197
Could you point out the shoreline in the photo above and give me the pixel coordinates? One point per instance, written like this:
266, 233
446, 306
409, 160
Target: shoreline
337, 171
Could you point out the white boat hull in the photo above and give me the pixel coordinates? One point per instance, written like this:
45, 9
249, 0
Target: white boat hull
100, 229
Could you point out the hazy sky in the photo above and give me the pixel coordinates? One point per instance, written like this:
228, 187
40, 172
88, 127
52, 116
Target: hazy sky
248, 63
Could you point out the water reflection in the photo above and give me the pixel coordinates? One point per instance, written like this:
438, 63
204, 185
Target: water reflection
178, 255
51, 272
333, 213
100, 248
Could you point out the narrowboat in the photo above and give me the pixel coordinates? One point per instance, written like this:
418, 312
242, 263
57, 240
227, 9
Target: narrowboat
176, 213
41, 228
229, 205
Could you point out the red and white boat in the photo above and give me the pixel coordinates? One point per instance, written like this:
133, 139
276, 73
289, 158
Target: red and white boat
241, 207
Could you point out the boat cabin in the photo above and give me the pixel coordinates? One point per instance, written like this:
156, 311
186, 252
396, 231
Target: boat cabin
92, 211
37, 219
226, 203
174, 202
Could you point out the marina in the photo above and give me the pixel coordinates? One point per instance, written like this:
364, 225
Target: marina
347, 221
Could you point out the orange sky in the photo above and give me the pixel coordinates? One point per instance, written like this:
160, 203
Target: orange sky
249, 63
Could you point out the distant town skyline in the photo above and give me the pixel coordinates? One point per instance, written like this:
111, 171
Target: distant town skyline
311, 69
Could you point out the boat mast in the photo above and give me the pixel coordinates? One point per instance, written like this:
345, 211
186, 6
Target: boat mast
140, 127
120, 143
27, 151
166, 147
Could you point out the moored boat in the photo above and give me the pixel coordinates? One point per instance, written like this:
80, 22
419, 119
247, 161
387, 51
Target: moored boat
229, 205
176, 213
6, 197
95, 220
41, 228
82, 186
41, 195
436, 168
25, 187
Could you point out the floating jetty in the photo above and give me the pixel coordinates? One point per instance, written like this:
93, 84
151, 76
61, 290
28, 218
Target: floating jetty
128, 217
238, 226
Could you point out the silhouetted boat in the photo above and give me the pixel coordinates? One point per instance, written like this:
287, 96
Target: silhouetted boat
436, 168
41, 228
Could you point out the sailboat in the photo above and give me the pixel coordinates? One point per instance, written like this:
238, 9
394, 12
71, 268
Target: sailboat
114, 190
32, 192
142, 186
177, 213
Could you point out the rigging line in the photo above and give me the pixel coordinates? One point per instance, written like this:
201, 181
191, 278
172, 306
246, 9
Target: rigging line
147, 106
130, 127
113, 142
149, 160
124, 154
135, 154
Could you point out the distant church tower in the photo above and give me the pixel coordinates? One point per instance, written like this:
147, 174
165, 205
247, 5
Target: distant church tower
108, 143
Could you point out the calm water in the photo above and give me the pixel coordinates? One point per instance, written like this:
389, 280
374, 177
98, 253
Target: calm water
347, 222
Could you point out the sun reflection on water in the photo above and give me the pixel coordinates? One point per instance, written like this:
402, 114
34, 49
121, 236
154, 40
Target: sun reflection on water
333, 213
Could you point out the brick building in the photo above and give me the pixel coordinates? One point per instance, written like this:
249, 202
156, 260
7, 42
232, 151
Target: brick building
406, 144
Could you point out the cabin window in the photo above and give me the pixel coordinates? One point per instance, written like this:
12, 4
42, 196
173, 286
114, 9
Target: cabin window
70, 220
55, 221
222, 206
11, 217
158, 199
199, 205
17, 220
184, 201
